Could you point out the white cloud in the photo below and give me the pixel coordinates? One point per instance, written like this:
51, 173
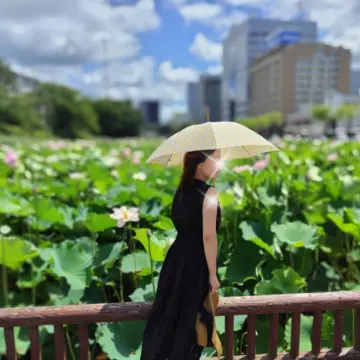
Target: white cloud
215, 69
120, 73
71, 32
202, 12
349, 39
245, 2
168, 111
181, 74
206, 49
166, 83
213, 15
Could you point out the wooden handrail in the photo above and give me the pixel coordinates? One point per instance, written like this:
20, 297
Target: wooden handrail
239, 305
82, 315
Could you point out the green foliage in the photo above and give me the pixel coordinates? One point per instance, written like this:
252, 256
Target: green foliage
321, 113
52, 109
18, 115
347, 111
118, 119
264, 122
292, 227
175, 125
7, 78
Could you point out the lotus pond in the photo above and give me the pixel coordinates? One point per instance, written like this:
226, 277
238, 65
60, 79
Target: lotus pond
291, 224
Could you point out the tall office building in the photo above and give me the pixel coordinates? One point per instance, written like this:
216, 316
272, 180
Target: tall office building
355, 82
151, 111
244, 44
204, 95
194, 101
210, 96
287, 78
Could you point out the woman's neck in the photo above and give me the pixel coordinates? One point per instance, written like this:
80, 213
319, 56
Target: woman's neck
200, 177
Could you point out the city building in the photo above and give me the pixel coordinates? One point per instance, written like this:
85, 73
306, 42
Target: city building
151, 111
194, 102
210, 96
204, 95
287, 77
26, 83
355, 82
19, 83
244, 43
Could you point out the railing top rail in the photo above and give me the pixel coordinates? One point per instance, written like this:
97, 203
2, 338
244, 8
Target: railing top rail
92, 313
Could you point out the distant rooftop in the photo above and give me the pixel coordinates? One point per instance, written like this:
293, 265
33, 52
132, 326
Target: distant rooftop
282, 48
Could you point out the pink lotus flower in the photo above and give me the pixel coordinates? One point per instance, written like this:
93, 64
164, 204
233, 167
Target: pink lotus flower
123, 215
136, 160
332, 157
242, 168
11, 158
126, 152
262, 164
137, 156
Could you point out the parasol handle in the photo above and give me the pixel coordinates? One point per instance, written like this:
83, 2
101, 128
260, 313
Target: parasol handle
207, 114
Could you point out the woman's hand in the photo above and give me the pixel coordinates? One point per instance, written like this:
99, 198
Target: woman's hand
214, 283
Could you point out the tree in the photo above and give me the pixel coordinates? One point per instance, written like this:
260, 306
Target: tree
7, 78
321, 113
19, 115
67, 112
348, 111
266, 124
118, 118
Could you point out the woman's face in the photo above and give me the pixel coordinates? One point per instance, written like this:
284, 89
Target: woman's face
212, 165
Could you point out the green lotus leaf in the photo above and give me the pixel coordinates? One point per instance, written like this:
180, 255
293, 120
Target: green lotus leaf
296, 234
14, 251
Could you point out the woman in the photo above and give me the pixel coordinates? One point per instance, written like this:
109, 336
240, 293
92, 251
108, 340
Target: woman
189, 270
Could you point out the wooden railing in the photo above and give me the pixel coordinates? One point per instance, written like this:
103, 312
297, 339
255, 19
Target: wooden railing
82, 315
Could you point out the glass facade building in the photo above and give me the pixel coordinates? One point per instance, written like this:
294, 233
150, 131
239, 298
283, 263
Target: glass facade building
243, 45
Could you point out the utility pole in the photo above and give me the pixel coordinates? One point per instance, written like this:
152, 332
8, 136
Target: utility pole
106, 72
300, 5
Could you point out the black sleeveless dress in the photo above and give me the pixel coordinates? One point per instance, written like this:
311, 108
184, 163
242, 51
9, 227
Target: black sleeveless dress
183, 283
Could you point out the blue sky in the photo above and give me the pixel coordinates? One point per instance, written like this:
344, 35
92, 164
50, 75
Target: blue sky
172, 40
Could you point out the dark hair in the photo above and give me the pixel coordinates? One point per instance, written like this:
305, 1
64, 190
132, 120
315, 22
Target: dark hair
191, 160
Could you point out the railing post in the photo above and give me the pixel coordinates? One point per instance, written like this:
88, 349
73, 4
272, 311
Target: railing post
316, 333
338, 331
273, 336
295, 334
83, 342
229, 337
357, 330
35, 343
251, 337
60, 351
10, 344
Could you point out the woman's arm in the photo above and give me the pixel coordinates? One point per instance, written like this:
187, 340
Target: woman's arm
209, 230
